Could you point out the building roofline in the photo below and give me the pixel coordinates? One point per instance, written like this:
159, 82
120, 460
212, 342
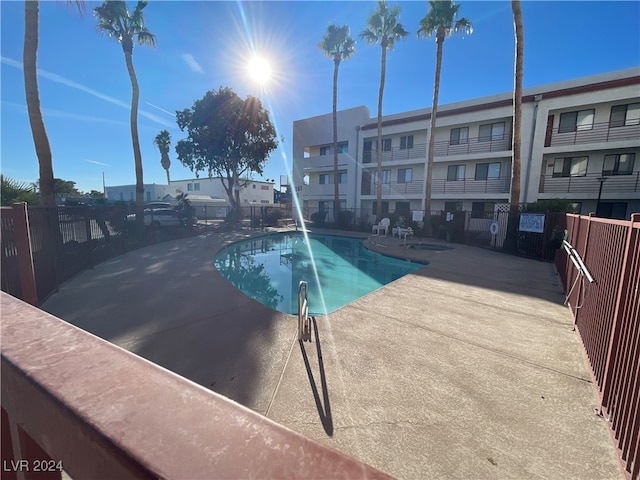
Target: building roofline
548, 91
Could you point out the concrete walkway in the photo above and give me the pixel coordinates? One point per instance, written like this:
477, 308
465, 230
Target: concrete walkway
467, 368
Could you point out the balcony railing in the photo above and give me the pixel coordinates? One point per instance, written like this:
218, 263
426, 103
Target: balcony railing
472, 145
590, 184
469, 185
598, 133
324, 190
397, 154
394, 188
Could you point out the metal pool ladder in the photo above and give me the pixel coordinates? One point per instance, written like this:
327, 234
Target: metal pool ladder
304, 322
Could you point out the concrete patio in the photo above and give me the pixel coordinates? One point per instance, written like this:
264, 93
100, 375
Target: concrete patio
467, 368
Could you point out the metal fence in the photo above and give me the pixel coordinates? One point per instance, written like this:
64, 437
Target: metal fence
607, 317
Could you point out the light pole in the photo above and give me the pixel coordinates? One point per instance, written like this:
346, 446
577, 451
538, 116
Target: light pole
601, 180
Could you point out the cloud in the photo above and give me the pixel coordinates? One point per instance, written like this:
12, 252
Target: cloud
77, 86
97, 163
161, 109
191, 63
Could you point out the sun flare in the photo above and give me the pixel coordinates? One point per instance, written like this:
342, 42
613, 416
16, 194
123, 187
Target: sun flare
259, 70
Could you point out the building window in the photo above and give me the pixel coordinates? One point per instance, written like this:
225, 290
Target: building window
254, 186
455, 172
366, 152
386, 177
459, 136
570, 167
406, 142
576, 121
452, 206
148, 194
618, 164
386, 144
325, 150
196, 186
623, 115
343, 147
321, 207
487, 171
403, 208
385, 207
405, 175
491, 131
325, 179
482, 209
342, 176
190, 187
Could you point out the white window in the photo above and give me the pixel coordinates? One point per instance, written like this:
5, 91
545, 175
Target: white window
623, 115
190, 187
325, 150
325, 179
406, 142
459, 136
576, 121
455, 173
405, 175
343, 147
570, 167
386, 145
487, 171
386, 176
342, 176
196, 186
491, 131
618, 164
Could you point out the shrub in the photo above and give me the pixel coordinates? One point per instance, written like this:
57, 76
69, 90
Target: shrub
318, 218
233, 216
345, 219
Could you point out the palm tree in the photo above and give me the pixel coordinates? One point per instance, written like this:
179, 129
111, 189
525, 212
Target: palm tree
115, 20
338, 45
382, 29
441, 21
511, 239
163, 142
32, 94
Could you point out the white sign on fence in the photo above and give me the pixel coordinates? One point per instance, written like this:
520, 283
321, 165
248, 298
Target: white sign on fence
532, 222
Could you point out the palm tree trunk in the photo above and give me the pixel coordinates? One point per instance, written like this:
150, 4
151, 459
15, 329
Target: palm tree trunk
383, 69
434, 110
511, 239
137, 156
168, 178
32, 93
336, 190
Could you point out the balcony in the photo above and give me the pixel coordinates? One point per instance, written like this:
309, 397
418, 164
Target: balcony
598, 133
397, 154
325, 190
590, 184
468, 185
472, 146
394, 189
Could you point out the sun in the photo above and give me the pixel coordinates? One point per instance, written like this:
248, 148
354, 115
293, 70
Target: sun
259, 70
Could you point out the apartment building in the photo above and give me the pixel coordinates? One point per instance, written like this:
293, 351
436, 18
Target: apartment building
253, 193
580, 140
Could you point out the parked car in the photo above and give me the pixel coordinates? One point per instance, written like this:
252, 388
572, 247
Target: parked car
155, 218
158, 205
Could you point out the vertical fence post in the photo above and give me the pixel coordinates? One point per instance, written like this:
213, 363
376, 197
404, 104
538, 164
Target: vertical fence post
25, 253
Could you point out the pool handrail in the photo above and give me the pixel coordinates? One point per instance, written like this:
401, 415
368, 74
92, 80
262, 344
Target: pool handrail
304, 326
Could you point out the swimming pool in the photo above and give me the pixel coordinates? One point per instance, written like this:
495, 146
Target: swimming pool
268, 269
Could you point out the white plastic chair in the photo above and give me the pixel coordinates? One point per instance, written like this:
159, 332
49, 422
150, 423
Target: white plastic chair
382, 226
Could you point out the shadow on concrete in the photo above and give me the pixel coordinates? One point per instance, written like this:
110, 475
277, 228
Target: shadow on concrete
323, 405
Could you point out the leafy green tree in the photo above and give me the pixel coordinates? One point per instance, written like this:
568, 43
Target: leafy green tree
382, 29
227, 137
61, 187
163, 142
32, 94
13, 191
115, 21
441, 22
338, 45
512, 226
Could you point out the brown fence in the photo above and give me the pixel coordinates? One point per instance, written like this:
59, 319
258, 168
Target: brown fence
607, 317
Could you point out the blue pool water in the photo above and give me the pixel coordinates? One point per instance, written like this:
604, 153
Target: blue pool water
268, 270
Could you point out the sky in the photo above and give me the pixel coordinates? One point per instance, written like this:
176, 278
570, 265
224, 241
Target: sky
85, 90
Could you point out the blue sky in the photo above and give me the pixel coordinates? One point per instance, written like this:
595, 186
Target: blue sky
86, 93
